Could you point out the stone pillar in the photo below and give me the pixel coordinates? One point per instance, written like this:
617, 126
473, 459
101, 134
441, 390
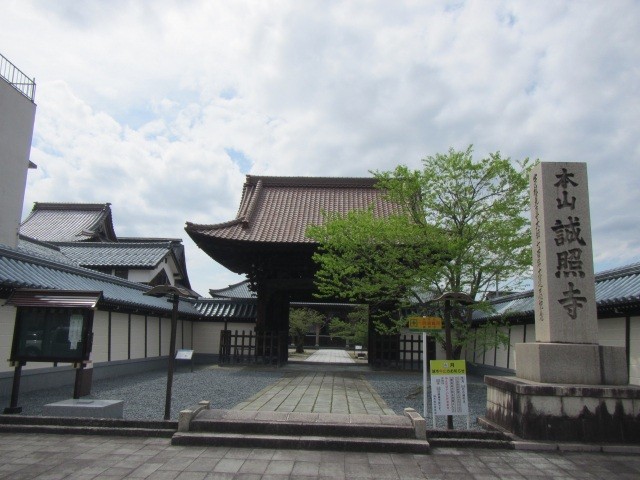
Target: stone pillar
564, 285
567, 387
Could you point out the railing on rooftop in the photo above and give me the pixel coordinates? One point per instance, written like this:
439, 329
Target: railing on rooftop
17, 79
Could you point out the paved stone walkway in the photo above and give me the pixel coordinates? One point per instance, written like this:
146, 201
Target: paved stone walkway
327, 355
46, 456
319, 392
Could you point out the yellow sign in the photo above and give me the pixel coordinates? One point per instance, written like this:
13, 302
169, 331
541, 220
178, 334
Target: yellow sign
425, 323
448, 367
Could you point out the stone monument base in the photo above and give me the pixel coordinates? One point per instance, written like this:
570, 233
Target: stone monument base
564, 412
571, 363
85, 408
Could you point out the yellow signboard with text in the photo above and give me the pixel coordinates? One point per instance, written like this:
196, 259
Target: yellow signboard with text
425, 324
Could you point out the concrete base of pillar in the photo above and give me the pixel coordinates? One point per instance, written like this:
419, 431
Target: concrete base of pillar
571, 363
85, 408
564, 412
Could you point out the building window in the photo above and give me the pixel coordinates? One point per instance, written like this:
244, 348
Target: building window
121, 273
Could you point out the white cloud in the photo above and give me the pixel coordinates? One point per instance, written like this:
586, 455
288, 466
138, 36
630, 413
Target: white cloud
141, 102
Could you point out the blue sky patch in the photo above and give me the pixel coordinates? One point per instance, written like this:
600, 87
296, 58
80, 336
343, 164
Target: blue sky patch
240, 159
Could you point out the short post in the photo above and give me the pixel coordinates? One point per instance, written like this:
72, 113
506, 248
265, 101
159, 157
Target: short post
13, 408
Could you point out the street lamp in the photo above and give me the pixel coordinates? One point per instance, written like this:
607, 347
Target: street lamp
175, 293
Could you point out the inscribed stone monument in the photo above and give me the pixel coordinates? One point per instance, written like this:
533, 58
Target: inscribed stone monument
564, 284
567, 387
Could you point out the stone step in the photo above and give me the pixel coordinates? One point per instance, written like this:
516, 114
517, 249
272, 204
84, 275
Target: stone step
352, 444
171, 425
87, 426
469, 434
300, 424
470, 443
86, 430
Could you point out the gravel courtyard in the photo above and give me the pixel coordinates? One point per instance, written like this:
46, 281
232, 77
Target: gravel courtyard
225, 387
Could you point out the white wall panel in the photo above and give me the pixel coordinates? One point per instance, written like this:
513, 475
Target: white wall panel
503, 351
99, 351
119, 336
152, 336
634, 351
166, 335
517, 336
612, 332
7, 321
137, 336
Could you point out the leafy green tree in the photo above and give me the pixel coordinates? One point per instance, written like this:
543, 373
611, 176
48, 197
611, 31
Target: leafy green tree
301, 320
462, 227
355, 329
373, 261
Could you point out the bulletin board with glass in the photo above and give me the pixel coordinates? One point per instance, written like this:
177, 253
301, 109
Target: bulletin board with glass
44, 334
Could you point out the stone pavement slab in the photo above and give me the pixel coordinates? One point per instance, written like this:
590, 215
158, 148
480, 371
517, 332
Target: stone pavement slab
319, 392
45, 456
330, 355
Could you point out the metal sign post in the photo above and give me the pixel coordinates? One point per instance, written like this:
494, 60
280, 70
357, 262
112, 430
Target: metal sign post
425, 325
449, 388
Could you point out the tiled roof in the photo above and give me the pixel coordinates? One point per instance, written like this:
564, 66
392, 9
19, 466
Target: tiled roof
112, 254
618, 286
21, 270
31, 246
229, 309
178, 252
69, 222
279, 209
237, 290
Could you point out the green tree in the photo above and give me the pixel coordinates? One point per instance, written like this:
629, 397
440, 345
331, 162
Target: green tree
462, 227
355, 329
373, 261
301, 320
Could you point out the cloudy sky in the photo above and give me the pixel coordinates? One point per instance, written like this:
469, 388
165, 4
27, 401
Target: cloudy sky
162, 107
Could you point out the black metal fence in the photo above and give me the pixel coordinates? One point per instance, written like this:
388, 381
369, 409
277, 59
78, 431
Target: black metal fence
269, 348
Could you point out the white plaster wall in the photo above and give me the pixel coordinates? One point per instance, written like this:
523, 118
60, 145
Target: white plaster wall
634, 351
612, 332
490, 352
7, 321
119, 336
517, 336
99, 351
166, 335
16, 130
137, 336
530, 330
206, 335
146, 275
187, 335
502, 354
152, 336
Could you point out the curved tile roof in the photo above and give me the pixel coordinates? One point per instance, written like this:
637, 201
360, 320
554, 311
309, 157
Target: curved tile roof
20, 270
230, 309
69, 222
279, 209
617, 286
132, 255
237, 290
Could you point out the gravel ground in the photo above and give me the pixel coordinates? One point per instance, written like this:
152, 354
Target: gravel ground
225, 387
404, 389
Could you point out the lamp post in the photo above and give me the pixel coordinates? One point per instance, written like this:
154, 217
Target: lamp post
174, 293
